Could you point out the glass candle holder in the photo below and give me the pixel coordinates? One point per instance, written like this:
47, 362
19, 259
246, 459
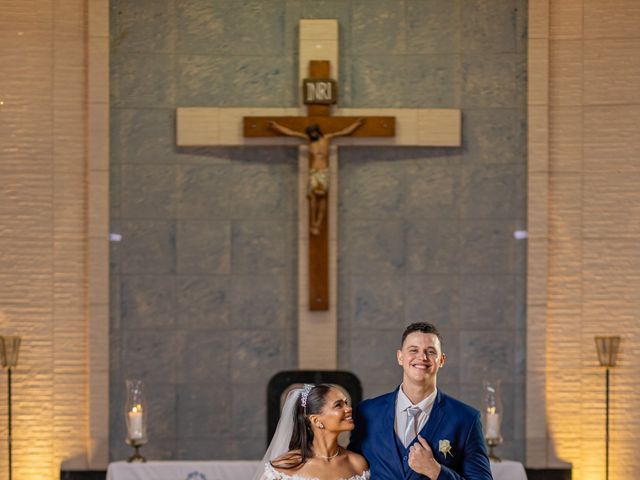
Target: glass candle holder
135, 415
492, 415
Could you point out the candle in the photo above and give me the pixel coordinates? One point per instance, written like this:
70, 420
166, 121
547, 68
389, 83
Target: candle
493, 425
135, 423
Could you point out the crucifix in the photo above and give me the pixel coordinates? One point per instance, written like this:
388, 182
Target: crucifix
318, 127
209, 126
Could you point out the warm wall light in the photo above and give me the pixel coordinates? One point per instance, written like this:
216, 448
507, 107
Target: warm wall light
607, 350
9, 348
607, 356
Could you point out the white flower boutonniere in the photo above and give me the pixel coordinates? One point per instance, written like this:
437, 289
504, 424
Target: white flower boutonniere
445, 448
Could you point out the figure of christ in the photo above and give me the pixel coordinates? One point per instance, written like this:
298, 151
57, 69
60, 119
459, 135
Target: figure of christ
319, 165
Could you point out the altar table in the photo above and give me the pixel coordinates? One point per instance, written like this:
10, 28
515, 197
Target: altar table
242, 470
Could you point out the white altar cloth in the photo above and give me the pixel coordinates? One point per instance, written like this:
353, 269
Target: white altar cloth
242, 470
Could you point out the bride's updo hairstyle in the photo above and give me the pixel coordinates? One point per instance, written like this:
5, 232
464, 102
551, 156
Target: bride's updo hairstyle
310, 402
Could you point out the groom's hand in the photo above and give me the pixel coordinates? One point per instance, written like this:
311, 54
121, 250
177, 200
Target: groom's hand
421, 459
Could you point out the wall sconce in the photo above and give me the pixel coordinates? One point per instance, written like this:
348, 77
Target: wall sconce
607, 348
9, 348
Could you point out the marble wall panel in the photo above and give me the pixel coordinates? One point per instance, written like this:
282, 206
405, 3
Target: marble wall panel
203, 247
433, 26
204, 280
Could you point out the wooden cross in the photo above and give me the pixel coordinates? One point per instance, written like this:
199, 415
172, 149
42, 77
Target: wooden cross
319, 114
208, 126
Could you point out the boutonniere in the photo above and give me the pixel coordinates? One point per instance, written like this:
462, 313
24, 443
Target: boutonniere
445, 448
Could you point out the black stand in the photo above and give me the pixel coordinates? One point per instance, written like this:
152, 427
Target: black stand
9, 420
607, 426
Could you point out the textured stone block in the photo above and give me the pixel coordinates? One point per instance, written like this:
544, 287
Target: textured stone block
374, 246
200, 80
434, 299
256, 355
376, 302
147, 301
148, 246
489, 80
492, 192
261, 247
148, 191
203, 247
203, 192
142, 135
264, 301
433, 27
203, 301
370, 189
142, 80
488, 26
493, 349
203, 357
433, 246
373, 354
494, 136
490, 247
265, 187
437, 81
380, 81
142, 27
375, 28
490, 301
249, 409
432, 191
264, 81
140, 346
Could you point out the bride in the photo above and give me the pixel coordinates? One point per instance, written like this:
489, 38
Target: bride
305, 444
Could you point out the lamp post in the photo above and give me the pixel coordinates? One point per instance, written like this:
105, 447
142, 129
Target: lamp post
607, 355
9, 347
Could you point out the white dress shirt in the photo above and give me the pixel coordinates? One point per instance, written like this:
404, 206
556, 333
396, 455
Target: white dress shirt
402, 417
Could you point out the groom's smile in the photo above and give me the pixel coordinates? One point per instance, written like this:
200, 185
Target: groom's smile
420, 356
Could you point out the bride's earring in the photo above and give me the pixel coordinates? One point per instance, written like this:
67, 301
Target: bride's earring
321, 426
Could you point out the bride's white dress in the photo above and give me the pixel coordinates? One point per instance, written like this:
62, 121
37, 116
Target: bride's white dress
271, 473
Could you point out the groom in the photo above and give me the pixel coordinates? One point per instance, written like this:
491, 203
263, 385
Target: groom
417, 432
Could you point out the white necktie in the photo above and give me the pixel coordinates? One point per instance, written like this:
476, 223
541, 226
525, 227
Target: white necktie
412, 423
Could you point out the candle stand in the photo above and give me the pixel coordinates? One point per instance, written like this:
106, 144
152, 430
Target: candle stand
135, 416
492, 416
137, 456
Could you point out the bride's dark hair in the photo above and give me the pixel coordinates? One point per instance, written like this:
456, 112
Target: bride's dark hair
300, 446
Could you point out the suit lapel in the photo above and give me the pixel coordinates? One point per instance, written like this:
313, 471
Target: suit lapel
390, 427
435, 419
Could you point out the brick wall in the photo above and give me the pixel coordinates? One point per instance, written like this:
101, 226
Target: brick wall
584, 262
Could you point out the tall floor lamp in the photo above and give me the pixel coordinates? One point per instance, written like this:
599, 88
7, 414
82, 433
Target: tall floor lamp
9, 347
607, 355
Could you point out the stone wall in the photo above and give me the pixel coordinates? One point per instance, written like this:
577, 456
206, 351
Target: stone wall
203, 281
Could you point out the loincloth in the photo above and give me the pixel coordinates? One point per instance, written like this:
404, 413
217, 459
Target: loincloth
319, 179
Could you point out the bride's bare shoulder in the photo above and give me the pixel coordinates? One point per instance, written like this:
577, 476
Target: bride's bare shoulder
357, 461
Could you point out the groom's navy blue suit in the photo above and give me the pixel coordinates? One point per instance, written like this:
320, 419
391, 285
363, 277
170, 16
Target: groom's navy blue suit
450, 420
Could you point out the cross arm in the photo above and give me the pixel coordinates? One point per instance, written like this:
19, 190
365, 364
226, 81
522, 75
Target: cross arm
373, 126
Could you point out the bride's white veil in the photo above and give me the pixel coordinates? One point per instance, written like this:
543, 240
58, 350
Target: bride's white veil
282, 436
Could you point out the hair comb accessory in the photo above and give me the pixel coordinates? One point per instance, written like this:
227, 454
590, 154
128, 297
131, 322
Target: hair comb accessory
304, 395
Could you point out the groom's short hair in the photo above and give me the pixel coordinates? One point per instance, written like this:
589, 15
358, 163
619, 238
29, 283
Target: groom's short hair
422, 327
